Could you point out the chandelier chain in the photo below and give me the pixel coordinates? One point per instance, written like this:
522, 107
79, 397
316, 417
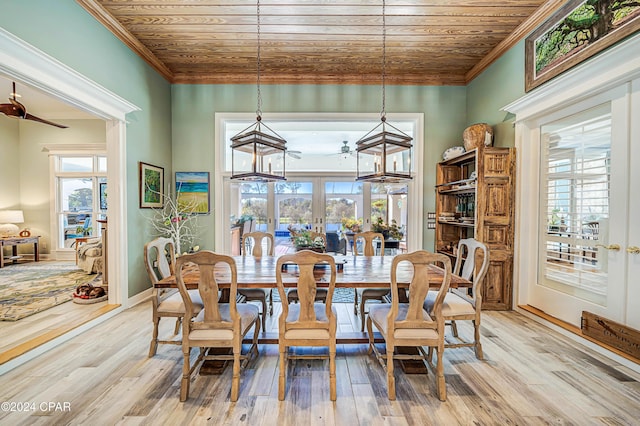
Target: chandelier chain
383, 113
259, 107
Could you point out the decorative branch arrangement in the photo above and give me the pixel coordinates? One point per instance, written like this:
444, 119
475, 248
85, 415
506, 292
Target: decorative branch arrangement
178, 221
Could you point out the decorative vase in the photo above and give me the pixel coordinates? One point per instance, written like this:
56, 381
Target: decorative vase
477, 135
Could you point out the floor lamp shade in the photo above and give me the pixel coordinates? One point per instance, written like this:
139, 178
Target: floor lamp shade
8, 219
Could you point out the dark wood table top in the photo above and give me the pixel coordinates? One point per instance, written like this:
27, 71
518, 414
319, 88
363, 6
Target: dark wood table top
356, 271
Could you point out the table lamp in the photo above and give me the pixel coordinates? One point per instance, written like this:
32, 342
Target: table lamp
8, 219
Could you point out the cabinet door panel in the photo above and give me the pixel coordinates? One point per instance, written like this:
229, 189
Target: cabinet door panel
496, 292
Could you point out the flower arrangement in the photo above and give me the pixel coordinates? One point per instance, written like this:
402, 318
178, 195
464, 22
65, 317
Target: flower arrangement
352, 225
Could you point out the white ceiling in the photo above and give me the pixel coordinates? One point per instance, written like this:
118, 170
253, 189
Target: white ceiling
38, 103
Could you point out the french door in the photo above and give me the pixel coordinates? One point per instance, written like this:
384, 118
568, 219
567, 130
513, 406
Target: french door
587, 235
317, 203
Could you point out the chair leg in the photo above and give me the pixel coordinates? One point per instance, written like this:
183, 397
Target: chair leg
332, 371
355, 302
270, 304
370, 332
391, 380
476, 337
282, 378
442, 387
154, 339
235, 381
363, 302
454, 328
176, 330
264, 313
186, 374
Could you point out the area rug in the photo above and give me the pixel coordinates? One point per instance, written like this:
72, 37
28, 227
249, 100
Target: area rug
35, 287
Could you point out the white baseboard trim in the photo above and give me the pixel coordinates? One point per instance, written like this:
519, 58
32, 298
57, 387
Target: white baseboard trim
140, 297
578, 339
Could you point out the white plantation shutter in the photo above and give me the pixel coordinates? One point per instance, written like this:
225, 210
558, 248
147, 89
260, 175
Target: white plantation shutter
574, 202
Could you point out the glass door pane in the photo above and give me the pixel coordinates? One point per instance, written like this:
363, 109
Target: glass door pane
574, 204
253, 205
389, 214
294, 205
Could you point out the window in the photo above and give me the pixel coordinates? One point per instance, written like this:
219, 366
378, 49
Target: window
78, 181
574, 202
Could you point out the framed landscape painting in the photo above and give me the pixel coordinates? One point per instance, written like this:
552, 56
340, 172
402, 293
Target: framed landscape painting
151, 182
192, 192
574, 33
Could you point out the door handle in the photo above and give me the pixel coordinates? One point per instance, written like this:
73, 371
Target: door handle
633, 250
614, 247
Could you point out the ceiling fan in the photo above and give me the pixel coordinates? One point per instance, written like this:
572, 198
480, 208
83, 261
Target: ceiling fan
294, 154
16, 110
345, 150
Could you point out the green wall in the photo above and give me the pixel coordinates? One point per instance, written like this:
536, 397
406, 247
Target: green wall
499, 85
64, 30
194, 107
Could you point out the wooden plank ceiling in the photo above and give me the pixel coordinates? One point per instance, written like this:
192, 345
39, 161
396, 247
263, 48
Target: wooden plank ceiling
434, 42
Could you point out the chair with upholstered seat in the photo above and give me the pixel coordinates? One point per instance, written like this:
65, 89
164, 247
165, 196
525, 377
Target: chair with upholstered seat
252, 242
308, 323
367, 239
472, 263
218, 325
408, 324
159, 261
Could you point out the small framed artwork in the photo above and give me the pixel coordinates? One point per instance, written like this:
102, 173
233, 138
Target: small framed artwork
192, 192
151, 182
103, 195
574, 33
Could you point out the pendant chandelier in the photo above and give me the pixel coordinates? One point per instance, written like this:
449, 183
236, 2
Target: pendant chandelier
258, 152
384, 156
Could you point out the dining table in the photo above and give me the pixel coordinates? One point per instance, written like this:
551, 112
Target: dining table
352, 272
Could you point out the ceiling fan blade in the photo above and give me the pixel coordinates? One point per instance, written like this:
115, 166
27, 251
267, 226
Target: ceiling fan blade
11, 110
16, 109
41, 120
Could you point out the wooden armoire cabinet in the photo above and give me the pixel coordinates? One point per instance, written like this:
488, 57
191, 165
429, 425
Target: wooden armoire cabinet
475, 197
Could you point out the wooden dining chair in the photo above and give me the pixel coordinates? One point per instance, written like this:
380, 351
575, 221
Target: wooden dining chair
218, 325
366, 294
472, 263
159, 261
252, 242
308, 323
408, 324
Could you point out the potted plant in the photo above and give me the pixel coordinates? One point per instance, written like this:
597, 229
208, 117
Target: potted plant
389, 231
304, 241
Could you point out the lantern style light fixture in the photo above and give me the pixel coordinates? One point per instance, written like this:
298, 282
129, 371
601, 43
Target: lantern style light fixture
258, 152
384, 156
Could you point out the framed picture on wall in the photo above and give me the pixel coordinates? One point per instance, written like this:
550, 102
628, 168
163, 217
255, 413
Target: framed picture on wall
151, 182
103, 195
574, 33
192, 192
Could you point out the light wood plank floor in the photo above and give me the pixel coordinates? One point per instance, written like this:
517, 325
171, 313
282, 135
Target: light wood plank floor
531, 375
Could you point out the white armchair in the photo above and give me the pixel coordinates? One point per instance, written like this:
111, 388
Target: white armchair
90, 256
